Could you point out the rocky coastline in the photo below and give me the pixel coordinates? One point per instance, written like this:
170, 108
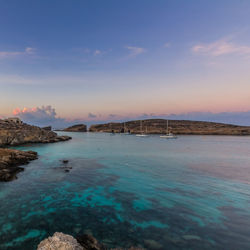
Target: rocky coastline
17, 133
13, 134
11, 160
178, 127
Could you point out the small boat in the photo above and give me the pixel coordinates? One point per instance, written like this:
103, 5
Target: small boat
124, 130
168, 135
141, 134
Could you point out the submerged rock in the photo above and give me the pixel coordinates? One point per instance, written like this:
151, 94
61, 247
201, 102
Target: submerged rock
191, 237
88, 242
11, 159
152, 244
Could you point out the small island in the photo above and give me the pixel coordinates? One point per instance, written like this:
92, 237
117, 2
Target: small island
179, 127
76, 128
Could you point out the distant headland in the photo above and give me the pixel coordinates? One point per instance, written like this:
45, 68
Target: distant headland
179, 127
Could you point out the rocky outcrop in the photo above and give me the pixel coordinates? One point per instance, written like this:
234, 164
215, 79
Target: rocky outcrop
77, 128
48, 128
15, 134
60, 241
184, 127
10, 161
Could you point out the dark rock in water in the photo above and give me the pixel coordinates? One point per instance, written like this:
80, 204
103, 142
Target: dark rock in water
12, 133
152, 244
66, 170
77, 128
48, 128
88, 242
11, 159
65, 161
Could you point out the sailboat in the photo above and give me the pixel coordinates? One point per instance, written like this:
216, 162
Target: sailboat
126, 133
141, 134
168, 135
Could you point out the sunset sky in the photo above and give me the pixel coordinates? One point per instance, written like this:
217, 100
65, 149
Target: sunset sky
112, 60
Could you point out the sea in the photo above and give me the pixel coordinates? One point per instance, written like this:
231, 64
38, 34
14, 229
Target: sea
192, 192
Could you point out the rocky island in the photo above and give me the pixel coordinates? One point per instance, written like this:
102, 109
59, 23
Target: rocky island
14, 132
76, 128
181, 127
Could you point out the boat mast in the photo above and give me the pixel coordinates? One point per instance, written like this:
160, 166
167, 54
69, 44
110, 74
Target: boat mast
167, 126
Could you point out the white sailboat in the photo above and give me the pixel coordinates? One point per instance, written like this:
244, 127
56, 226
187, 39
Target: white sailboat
126, 133
168, 135
141, 134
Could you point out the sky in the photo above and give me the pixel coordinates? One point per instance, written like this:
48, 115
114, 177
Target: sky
94, 61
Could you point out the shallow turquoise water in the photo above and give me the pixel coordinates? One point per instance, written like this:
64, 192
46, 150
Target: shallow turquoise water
189, 193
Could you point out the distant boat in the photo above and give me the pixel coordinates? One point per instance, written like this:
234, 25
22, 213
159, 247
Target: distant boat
112, 130
124, 130
141, 134
168, 135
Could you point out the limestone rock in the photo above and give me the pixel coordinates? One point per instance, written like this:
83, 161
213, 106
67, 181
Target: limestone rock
11, 159
15, 134
60, 241
77, 128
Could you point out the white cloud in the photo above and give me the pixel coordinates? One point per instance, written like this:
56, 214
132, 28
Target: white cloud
220, 48
134, 51
166, 45
27, 51
30, 50
97, 52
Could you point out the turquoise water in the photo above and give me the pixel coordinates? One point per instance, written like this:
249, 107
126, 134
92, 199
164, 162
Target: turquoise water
189, 193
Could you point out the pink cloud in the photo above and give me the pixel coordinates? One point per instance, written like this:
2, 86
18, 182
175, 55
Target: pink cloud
221, 47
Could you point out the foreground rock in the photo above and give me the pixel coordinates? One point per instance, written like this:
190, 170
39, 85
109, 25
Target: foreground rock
10, 160
77, 128
184, 127
12, 133
60, 241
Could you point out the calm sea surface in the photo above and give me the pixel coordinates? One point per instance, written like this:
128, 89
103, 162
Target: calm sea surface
189, 193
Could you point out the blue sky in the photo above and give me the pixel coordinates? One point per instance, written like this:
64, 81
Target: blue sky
123, 59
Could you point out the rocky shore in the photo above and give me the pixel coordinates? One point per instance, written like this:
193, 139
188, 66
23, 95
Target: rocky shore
10, 161
17, 133
12, 134
61, 241
181, 127
76, 128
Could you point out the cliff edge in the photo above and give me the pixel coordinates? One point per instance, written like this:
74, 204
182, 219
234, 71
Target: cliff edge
12, 134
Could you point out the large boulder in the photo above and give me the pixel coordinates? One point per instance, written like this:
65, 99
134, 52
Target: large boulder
60, 241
